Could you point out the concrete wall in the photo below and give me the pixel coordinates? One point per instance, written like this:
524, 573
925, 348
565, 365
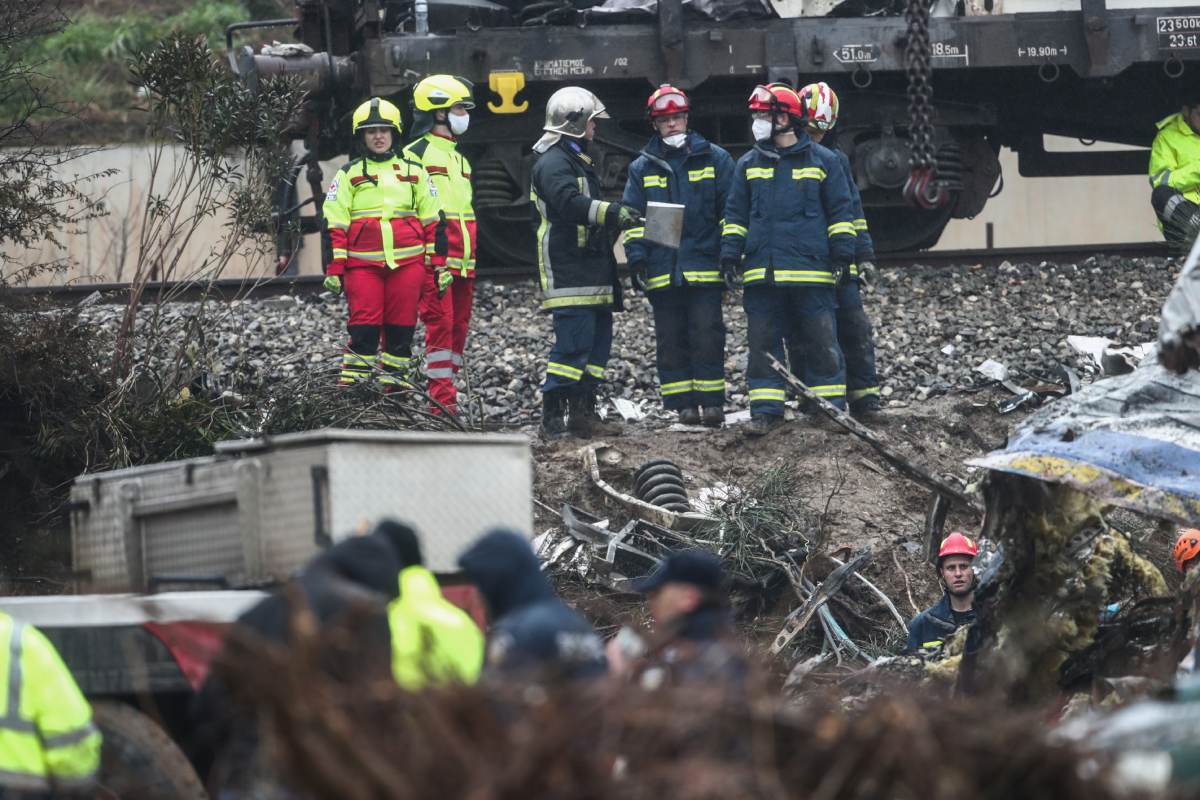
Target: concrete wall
1058, 211
107, 248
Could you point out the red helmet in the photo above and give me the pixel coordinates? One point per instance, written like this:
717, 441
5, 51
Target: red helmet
778, 98
666, 100
1187, 547
957, 544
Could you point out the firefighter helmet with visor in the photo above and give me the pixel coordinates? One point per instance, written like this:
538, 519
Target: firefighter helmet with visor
665, 101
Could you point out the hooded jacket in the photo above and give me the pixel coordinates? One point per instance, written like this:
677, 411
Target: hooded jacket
1175, 157
933, 626
533, 632
789, 215
576, 265
699, 180
433, 640
348, 584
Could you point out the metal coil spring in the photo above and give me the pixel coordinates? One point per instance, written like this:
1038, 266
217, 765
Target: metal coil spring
660, 483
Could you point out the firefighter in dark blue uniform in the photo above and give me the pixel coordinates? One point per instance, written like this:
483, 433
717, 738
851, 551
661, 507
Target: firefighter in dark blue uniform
853, 325
790, 223
575, 237
685, 285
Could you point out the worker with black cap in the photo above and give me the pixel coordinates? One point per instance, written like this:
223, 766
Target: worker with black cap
692, 641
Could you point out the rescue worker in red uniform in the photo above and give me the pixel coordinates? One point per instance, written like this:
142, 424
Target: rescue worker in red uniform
441, 106
385, 226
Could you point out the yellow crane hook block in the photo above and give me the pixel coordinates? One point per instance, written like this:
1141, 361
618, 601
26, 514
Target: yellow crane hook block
506, 84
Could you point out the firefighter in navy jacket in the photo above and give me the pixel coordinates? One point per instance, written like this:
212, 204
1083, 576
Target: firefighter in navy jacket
575, 237
855, 336
684, 285
789, 230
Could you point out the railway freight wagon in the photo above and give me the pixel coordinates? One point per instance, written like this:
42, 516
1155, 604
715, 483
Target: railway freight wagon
940, 84
166, 556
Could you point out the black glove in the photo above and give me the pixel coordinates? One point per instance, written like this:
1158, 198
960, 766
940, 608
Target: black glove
731, 273
637, 275
841, 273
623, 217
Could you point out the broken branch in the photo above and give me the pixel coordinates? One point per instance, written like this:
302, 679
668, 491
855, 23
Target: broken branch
916, 471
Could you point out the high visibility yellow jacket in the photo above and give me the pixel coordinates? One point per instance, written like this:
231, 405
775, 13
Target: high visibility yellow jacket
47, 740
451, 175
1175, 157
433, 640
382, 213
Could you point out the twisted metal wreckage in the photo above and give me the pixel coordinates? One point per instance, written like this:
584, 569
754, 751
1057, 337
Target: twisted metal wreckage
1065, 603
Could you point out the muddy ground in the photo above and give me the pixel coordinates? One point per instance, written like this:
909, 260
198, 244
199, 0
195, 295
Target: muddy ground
864, 501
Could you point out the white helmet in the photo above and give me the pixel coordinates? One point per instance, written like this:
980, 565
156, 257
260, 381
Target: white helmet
567, 113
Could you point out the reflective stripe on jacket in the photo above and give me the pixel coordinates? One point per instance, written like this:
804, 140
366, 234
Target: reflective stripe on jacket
700, 182
1175, 157
47, 739
450, 173
433, 640
381, 213
576, 265
789, 214
934, 626
864, 247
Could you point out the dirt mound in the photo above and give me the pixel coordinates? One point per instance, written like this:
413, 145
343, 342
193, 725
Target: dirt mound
862, 501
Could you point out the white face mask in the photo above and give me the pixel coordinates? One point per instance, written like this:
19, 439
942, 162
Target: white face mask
675, 140
459, 123
761, 129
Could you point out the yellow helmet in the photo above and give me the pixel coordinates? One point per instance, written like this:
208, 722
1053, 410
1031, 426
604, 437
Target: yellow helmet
442, 91
377, 113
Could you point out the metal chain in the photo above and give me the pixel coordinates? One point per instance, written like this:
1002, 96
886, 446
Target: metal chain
923, 189
920, 85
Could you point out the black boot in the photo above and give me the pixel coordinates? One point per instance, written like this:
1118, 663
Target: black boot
712, 416
553, 408
584, 420
689, 416
762, 424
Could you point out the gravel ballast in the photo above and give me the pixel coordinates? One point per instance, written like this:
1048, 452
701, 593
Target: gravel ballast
933, 327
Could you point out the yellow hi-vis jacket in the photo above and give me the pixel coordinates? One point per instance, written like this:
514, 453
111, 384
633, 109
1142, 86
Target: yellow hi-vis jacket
382, 212
433, 640
450, 173
1175, 157
47, 740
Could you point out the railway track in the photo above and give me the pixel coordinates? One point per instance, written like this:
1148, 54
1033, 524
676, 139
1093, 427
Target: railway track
227, 289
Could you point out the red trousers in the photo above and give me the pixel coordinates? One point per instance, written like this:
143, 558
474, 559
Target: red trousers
384, 296
446, 319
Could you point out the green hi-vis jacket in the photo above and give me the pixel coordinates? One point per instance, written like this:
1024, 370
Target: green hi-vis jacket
433, 640
1175, 157
382, 213
48, 743
450, 173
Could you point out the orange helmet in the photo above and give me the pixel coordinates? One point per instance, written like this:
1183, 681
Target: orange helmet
1187, 547
957, 544
778, 98
666, 100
